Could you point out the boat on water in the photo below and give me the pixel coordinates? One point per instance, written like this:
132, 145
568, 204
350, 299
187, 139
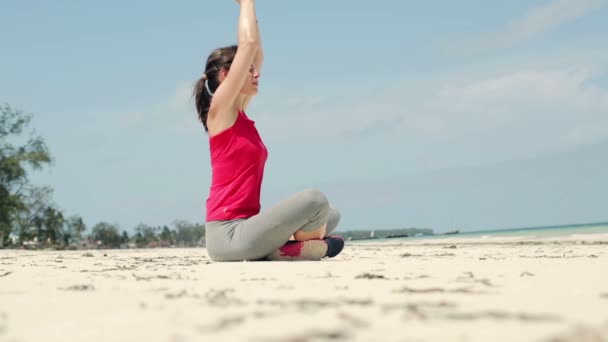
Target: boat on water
452, 232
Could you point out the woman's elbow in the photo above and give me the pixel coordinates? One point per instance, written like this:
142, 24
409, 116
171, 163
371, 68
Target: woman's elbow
249, 44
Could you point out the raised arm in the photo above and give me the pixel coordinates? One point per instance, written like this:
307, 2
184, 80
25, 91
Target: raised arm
257, 62
222, 109
259, 55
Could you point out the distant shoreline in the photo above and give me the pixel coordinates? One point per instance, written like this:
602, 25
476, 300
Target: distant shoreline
580, 228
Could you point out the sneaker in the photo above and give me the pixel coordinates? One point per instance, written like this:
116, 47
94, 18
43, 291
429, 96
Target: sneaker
335, 245
310, 250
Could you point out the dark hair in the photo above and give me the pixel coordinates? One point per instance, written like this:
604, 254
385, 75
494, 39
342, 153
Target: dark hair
220, 58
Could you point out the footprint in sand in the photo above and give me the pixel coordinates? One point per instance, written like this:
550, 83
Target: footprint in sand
502, 315
408, 255
223, 323
470, 278
370, 276
320, 335
82, 287
435, 290
222, 297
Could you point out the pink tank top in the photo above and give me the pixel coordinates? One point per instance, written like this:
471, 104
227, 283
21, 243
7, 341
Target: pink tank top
238, 156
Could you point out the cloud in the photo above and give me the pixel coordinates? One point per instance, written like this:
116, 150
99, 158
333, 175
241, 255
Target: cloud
532, 24
517, 107
545, 85
478, 113
175, 112
180, 113
546, 108
544, 18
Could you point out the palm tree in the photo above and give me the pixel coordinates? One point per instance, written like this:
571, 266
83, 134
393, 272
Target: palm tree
53, 222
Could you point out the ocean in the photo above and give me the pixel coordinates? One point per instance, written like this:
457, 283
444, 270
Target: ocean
532, 232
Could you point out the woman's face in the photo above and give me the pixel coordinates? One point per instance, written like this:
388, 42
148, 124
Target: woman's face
250, 87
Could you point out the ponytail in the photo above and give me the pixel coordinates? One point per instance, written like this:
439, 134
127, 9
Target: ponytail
204, 88
202, 99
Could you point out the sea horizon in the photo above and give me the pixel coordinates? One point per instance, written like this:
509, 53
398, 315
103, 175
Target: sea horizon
534, 231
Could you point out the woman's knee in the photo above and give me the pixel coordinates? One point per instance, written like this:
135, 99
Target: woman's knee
315, 200
310, 235
334, 215
333, 220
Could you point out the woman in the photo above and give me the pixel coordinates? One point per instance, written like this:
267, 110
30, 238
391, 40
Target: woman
235, 228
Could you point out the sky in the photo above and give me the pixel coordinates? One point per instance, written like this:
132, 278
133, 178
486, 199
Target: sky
447, 115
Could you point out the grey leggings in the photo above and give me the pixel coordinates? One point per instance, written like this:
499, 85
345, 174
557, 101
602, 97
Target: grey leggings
258, 236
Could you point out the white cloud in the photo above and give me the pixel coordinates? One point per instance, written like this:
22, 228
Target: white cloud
530, 25
538, 84
544, 18
480, 113
180, 113
175, 112
546, 109
518, 107
182, 100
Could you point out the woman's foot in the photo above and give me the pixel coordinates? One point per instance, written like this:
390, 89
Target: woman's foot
309, 250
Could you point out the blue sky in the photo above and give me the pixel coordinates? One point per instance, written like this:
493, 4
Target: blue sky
437, 114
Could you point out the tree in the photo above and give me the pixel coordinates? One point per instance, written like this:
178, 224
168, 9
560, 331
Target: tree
53, 223
30, 211
147, 233
37, 216
74, 227
107, 234
188, 233
166, 235
125, 237
138, 238
14, 159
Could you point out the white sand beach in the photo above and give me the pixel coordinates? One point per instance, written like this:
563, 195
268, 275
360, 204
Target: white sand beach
498, 289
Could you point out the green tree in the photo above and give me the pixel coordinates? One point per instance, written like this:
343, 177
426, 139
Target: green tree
16, 154
37, 216
28, 218
53, 223
124, 238
138, 238
107, 234
148, 234
166, 235
189, 234
74, 227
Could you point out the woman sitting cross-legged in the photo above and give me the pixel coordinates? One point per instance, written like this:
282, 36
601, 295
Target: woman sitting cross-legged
297, 228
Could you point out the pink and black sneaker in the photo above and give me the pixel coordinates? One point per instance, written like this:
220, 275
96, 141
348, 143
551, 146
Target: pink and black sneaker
310, 250
335, 245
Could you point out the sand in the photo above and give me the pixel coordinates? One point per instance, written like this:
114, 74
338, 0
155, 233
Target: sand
498, 289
